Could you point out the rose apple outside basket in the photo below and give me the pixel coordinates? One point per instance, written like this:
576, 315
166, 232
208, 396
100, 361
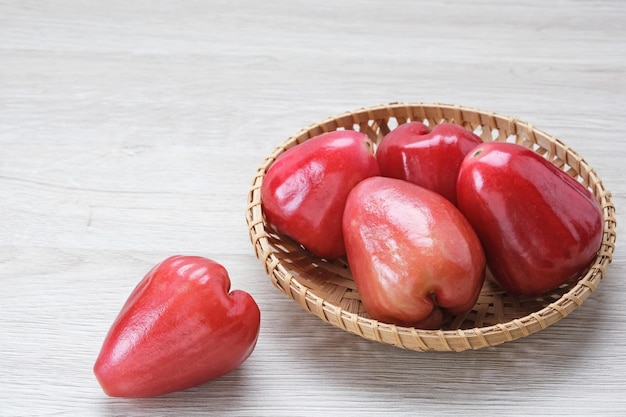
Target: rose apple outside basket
326, 289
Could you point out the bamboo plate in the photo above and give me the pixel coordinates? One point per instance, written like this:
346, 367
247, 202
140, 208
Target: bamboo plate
326, 289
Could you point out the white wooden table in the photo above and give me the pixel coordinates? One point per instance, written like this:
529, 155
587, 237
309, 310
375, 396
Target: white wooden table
131, 131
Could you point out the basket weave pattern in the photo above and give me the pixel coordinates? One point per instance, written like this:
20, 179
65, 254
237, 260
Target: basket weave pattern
326, 289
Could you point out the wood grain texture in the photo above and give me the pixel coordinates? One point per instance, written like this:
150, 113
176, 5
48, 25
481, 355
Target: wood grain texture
131, 131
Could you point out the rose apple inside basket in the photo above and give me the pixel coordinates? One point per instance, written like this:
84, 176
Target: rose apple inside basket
539, 227
429, 158
305, 189
413, 255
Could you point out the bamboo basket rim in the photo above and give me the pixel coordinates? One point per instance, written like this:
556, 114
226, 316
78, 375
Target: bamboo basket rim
326, 290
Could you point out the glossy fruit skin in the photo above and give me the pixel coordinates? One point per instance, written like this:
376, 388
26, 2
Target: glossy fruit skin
412, 254
304, 191
179, 328
431, 159
539, 227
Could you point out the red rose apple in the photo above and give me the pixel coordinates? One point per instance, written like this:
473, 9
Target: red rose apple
305, 189
180, 327
539, 227
427, 158
412, 253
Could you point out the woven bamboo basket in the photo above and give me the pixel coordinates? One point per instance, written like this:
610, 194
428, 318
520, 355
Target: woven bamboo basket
326, 289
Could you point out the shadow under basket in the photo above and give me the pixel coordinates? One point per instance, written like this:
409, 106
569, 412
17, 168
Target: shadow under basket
327, 290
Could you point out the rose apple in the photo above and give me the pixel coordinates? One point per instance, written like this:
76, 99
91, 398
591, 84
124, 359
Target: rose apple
428, 158
539, 227
412, 254
304, 191
180, 327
